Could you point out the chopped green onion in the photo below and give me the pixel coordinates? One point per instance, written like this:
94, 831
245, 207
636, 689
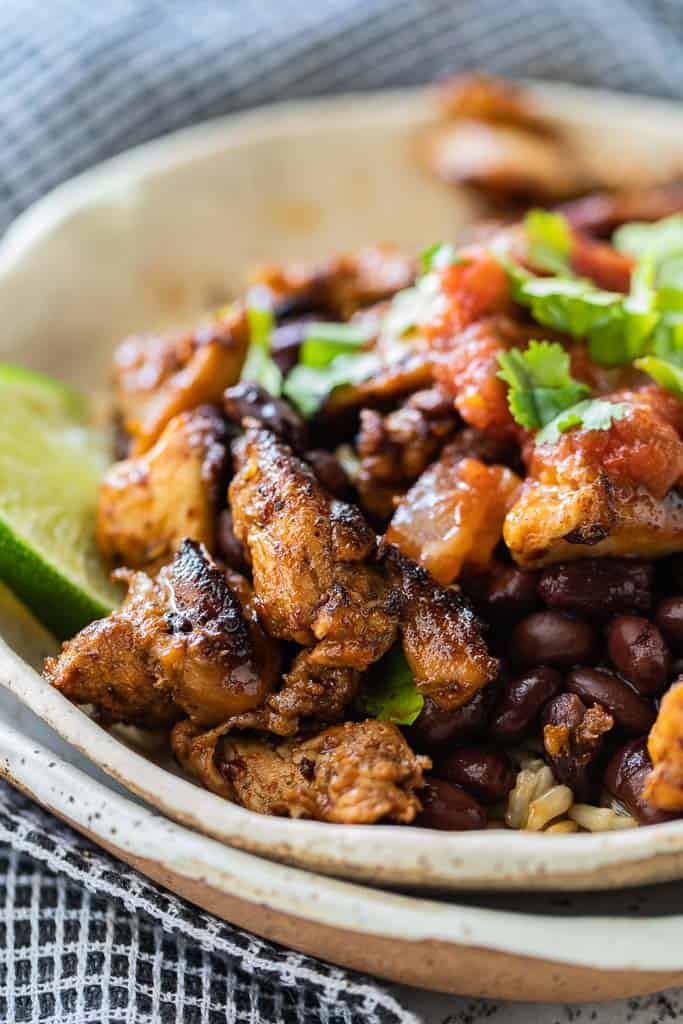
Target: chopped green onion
324, 341
308, 387
258, 365
437, 257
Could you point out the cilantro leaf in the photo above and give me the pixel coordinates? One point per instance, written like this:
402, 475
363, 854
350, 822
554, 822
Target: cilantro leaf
663, 242
324, 341
665, 363
617, 328
308, 387
664, 371
662, 239
388, 692
540, 384
626, 335
258, 365
572, 306
549, 241
411, 307
591, 414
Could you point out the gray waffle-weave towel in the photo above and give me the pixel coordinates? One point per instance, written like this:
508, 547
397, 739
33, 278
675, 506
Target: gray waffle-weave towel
82, 938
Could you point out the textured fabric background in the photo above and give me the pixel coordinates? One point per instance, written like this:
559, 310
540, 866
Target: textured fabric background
81, 937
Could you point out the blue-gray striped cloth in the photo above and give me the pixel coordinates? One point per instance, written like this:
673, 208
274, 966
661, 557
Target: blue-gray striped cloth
81, 80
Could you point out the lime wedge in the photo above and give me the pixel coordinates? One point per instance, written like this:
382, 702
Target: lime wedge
50, 466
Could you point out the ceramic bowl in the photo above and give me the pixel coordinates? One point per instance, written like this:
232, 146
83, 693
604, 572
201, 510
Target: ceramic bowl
158, 235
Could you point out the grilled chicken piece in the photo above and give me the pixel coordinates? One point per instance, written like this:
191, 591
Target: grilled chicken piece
479, 97
394, 449
602, 212
602, 492
108, 664
341, 286
492, 138
149, 504
180, 644
454, 514
312, 558
442, 637
664, 785
157, 377
355, 773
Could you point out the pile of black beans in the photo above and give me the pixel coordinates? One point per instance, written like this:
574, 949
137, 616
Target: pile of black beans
603, 631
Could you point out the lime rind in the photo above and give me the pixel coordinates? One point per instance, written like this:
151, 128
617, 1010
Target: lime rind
50, 466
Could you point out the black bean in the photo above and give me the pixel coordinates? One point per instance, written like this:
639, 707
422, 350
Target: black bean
521, 701
637, 649
230, 548
510, 593
674, 566
625, 778
449, 807
669, 618
329, 472
598, 686
598, 586
437, 730
484, 772
552, 638
248, 399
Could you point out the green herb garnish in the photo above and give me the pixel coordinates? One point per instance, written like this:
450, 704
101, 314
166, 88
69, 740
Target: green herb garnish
664, 363
569, 305
591, 414
549, 241
662, 242
540, 384
437, 257
389, 693
625, 335
664, 371
308, 387
258, 366
323, 342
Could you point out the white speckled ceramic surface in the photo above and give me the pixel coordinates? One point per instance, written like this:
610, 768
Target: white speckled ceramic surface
101, 256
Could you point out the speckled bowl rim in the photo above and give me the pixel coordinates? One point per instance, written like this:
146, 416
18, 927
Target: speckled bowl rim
386, 854
600, 941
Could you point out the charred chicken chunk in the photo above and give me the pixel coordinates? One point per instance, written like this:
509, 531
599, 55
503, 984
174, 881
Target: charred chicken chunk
157, 377
602, 492
442, 637
181, 643
149, 504
355, 773
342, 285
108, 663
602, 212
312, 558
492, 139
394, 449
664, 785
